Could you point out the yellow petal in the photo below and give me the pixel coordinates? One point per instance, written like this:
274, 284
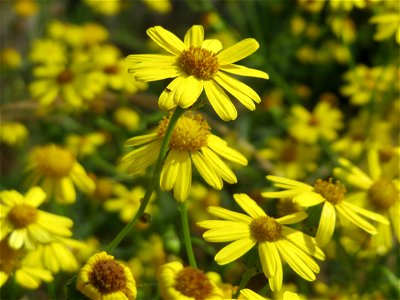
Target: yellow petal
169, 171
307, 199
188, 91
233, 251
184, 181
220, 101
166, 39
353, 217
366, 213
244, 71
228, 215
212, 45
35, 196
219, 166
231, 232
326, 225
206, 171
65, 191
303, 241
220, 147
156, 73
238, 51
194, 36
292, 218
141, 139
166, 100
249, 205
268, 257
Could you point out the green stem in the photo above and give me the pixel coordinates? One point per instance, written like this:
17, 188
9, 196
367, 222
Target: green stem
154, 182
245, 280
186, 235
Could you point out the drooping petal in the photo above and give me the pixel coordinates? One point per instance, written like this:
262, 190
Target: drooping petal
303, 241
65, 190
184, 180
220, 147
166, 39
167, 97
188, 91
233, 251
366, 213
326, 225
275, 282
169, 171
228, 215
353, 217
374, 165
286, 183
249, 205
238, 51
141, 139
219, 166
269, 257
81, 179
194, 36
206, 171
244, 71
221, 103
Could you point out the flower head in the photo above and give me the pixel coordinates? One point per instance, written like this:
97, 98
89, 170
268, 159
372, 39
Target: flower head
57, 170
197, 65
274, 239
102, 277
25, 225
332, 194
191, 141
186, 283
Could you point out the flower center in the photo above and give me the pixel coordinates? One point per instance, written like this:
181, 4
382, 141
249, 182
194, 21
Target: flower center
190, 133
313, 121
107, 276
113, 69
9, 258
65, 77
199, 62
383, 193
265, 229
386, 154
289, 152
54, 161
193, 283
22, 215
332, 192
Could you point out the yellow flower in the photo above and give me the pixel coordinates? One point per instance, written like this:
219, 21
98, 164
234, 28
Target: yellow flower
10, 58
250, 295
58, 255
57, 170
333, 197
102, 277
13, 133
105, 7
26, 8
347, 5
186, 283
25, 225
191, 141
197, 65
377, 191
25, 270
41, 49
160, 6
274, 239
127, 118
388, 23
127, 202
85, 145
308, 127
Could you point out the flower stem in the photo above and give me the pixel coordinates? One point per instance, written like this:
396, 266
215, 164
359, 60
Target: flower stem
186, 235
154, 182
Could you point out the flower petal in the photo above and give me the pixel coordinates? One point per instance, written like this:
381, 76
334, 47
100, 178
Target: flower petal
221, 103
212, 45
268, 257
184, 181
228, 215
35, 196
220, 147
65, 190
292, 218
326, 225
238, 51
249, 205
169, 171
353, 217
219, 166
231, 232
307, 199
207, 172
188, 91
244, 71
141, 139
233, 251
303, 241
366, 213
156, 73
194, 36
166, 100
166, 39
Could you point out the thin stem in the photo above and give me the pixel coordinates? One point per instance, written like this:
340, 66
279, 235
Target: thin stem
245, 280
186, 235
154, 182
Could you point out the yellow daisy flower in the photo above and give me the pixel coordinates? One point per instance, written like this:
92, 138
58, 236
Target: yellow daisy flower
57, 170
197, 65
177, 282
25, 225
24, 269
84, 145
323, 122
13, 133
102, 277
333, 197
377, 191
191, 141
274, 239
387, 21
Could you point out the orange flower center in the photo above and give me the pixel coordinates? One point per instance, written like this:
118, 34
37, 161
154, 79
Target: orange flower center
107, 276
190, 133
199, 62
332, 192
65, 77
383, 194
265, 229
193, 283
22, 215
54, 161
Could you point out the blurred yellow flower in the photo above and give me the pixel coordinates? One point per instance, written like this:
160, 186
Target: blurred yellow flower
26, 8
13, 133
377, 191
42, 47
191, 141
102, 277
388, 22
322, 123
197, 65
347, 5
23, 225
10, 58
83, 145
56, 170
177, 282
24, 269
127, 118
333, 197
160, 6
274, 239
104, 7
